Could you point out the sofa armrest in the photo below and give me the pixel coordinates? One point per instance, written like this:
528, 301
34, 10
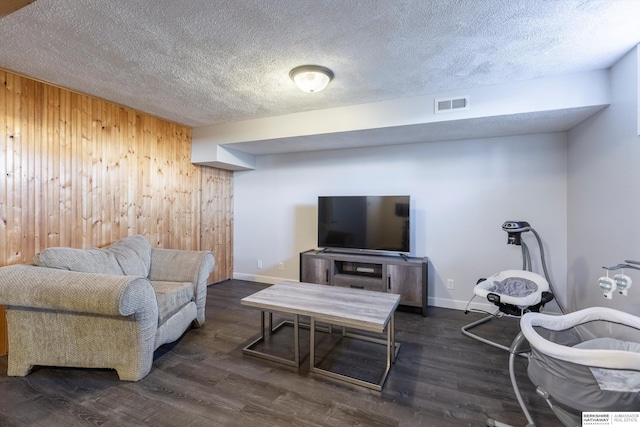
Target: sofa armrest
52, 289
175, 265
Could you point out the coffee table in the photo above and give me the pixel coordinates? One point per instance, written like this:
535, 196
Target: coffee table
357, 309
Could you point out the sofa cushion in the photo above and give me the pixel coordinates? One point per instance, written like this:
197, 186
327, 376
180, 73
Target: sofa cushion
133, 254
91, 260
130, 256
172, 296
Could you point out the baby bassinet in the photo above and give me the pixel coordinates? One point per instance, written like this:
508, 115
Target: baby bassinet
585, 361
588, 360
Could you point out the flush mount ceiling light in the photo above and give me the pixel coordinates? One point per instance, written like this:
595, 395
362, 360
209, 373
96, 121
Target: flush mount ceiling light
311, 78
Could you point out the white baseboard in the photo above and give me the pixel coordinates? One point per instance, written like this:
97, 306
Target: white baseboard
460, 305
255, 278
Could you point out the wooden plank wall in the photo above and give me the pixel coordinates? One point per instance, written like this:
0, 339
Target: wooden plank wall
4, 337
79, 171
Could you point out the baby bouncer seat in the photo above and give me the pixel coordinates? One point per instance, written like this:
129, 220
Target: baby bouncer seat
585, 361
514, 292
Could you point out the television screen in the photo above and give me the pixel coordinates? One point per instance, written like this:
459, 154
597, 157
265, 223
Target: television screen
371, 223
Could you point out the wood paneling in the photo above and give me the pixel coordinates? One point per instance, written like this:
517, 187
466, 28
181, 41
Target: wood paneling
216, 226
79, 171
9, 6
4, 342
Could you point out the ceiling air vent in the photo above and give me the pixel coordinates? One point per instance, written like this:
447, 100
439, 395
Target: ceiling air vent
449, 105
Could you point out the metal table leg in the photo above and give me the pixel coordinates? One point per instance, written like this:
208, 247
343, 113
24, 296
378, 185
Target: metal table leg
391, 352
249, 349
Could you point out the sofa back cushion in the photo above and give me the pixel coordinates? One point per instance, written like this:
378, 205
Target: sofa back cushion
91, 260
133, 254
130, 256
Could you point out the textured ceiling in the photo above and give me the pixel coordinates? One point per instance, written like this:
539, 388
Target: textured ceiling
203, 62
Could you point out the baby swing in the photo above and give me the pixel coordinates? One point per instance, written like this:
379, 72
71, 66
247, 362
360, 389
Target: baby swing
514, 292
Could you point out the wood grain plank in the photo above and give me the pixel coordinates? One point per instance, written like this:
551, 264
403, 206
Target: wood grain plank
356, 308
4, 339
66, 211
14, 187
441, 378
31, 120
4, 189
8, 7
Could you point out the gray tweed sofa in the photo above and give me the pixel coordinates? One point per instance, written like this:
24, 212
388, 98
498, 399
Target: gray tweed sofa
102, 308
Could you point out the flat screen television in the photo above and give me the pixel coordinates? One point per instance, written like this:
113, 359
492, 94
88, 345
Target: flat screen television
364, 223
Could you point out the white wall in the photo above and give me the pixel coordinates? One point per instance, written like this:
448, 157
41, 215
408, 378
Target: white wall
604, 201
462, 192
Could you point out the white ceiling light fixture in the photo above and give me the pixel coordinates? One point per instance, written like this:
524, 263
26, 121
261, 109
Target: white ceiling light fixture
311, 78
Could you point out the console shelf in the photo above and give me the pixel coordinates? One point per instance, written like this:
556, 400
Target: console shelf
406, 276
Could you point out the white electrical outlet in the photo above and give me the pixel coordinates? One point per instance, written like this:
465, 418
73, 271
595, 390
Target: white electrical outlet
450, 283
281, 266
259, 263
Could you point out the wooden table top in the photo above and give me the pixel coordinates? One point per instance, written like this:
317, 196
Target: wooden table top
356, 308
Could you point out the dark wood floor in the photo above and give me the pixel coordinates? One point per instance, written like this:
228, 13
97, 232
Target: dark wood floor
441, 378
